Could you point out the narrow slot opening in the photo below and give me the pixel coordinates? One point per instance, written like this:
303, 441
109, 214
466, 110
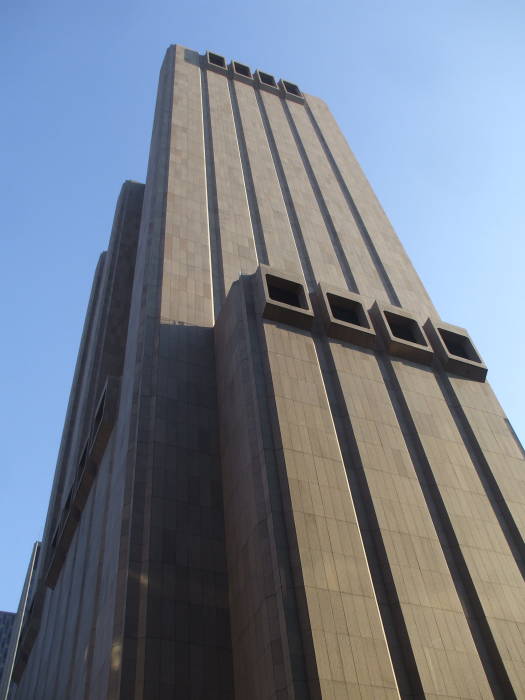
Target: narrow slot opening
286, 292
100, 412
405, 328
55, 536
242, 69
82, 460
347, 310
216, 59
458, 345
267, 79
291, 88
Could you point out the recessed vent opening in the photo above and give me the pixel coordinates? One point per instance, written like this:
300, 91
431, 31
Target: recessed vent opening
242, 69
286, 292
347, 310
458, 345
291, 88
216, 59
267, 79
405, 328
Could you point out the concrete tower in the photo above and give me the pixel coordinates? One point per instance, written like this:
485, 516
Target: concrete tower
282, 475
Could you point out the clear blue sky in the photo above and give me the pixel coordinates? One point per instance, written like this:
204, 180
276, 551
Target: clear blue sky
429, 94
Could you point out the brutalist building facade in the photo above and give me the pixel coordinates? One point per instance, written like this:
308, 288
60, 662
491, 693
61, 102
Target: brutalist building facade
282, 474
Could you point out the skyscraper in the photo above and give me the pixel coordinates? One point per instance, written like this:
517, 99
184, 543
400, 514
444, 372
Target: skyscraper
282, 474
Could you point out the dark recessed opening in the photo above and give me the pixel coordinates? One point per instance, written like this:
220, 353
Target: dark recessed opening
68, 500
347, 310
100, 412
458, 345
216, 59
291, 88
267, 79
242, 69
405, 328
55, 536
286, 296
286, 292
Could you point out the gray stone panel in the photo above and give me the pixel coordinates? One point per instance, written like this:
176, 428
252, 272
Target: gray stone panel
436, 625
275, 226
496, 578
382, 239
345, 231
237, 245
323, 257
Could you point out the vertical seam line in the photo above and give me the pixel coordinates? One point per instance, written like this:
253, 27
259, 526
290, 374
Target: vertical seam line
253, 206
365, 235
397, 640
214, 229
323, 208
401, 664
484, 472
484, 641
295, 227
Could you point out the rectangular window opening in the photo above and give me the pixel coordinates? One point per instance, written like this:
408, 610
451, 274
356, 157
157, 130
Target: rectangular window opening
458, 345
291, 88
404, 328
242, 69
286, 292
347, 310
216, 59
267, 79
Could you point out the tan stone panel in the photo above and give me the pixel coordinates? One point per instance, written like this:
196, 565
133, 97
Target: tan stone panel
497, 580
278, 237
331, 553
364, 272
258, 623
320, 250
235, 228
500, 447
186, 294
400, 270
419, 569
